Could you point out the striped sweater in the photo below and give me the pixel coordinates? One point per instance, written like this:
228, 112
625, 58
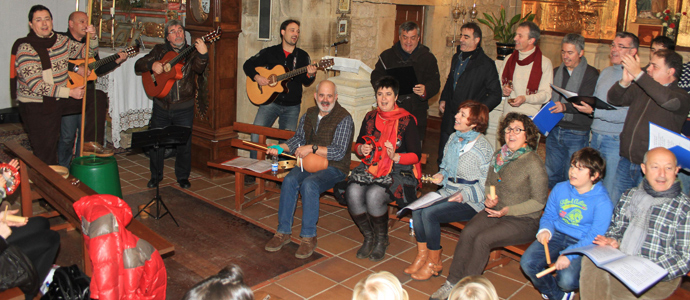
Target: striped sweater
33, 82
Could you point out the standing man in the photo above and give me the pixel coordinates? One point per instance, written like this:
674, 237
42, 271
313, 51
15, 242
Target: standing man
472, 76
409, 52
325, 130
526, 74
38, 79
286, 106
96, 102
608, 124
572, 132
650, 221
177, 108
652, 97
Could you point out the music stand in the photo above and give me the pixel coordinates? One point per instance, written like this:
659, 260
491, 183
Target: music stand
171, 135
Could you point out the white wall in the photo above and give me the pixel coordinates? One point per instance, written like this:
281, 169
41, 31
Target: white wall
14, 23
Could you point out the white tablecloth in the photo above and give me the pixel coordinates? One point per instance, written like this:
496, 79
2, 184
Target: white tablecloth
129, 105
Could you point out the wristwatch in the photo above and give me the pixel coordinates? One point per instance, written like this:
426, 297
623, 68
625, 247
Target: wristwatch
76, 69
314, 148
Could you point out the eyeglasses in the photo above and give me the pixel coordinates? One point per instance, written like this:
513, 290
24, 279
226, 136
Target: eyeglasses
619, 47
517, 131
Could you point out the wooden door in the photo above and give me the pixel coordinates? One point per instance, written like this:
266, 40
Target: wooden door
404, 13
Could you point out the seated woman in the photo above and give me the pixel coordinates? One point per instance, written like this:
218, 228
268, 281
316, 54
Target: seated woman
462, 174
33, 238
512, 217
390, 170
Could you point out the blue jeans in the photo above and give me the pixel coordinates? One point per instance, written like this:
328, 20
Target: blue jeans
534, 261
288, 117
628, 175
69, 126
560, 146
310, 186
427, 221
161, 118
609, 148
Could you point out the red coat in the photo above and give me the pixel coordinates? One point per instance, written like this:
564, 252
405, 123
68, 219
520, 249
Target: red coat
124, 266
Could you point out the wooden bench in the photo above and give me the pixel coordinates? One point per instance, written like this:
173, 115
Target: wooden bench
263, 191
39, 181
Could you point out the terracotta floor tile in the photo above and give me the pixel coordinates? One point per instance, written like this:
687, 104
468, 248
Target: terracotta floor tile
397, 246
428, 286
403, 233
215, 193
336, 244
334, 223
306, 283
137, 169
342, 212
275, 203
396, 267
334, 209
408, 255
352, 257
228, 202
415, 294
448, 245
258, 211
140, 183
505, 287
124, 163
337, 292
512, 270
200, 184
337, 269
352, 281
129, 176
351, 232
270, 221
527, 292
280, 291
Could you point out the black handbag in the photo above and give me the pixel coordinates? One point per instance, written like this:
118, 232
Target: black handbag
16, 270
69, 283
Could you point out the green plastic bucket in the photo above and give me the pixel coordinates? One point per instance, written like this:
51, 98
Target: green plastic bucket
98, 173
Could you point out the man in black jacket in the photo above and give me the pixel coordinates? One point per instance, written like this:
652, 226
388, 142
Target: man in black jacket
472, 76
286, 106
176, 108
96, 102
409, 52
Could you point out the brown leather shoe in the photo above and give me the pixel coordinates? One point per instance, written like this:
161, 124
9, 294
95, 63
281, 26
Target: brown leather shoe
420, 260
278, 241
94, 148
433, 266
306, 248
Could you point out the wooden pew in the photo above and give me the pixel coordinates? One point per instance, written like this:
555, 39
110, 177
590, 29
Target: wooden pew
38, 180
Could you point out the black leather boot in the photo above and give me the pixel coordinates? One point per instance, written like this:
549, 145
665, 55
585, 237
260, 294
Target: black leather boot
380, 225
367, 231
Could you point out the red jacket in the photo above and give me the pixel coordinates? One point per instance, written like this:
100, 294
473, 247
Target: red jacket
124, 266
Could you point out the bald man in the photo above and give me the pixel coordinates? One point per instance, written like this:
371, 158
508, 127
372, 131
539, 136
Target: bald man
650, 221
325, 130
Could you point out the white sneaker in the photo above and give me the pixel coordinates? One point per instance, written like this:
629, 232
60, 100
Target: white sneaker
443, 292
545, 297
568, 296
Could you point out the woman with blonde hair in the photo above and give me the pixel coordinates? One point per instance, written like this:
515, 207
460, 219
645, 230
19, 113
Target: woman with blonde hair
379, 286
473, 288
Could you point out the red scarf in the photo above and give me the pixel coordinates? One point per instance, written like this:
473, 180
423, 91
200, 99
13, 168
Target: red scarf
387, 123
534, 75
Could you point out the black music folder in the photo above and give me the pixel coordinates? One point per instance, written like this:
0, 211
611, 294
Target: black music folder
406, 78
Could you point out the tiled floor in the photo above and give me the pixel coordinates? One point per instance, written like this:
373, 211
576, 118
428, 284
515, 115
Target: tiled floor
334, 277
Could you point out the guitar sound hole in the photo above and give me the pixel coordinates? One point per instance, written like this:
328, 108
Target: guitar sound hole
272, 80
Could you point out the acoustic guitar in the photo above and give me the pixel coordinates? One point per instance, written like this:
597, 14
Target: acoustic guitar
159, 85
278, 77
76, 80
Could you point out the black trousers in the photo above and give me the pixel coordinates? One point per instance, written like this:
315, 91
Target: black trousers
38, 242
161, 118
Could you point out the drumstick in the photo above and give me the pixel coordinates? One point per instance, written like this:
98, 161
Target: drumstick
13, 218
492, 191
547, 271
266, 148
548, 256
6, 212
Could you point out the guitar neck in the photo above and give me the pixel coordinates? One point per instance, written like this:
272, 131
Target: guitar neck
187, 51
99, 63
291, 74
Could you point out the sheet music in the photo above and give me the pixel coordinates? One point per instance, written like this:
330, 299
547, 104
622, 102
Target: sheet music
662, 137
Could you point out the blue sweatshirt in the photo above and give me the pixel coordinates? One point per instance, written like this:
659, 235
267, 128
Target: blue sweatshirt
582, 216
608, 122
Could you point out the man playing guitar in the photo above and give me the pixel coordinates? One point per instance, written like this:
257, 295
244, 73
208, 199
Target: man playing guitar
286, 105
96, 110
177, 107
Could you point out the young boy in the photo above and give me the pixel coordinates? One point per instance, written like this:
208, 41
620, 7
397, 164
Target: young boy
577, 211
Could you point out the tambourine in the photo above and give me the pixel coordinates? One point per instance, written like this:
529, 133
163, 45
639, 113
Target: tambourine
12, 183
372, 157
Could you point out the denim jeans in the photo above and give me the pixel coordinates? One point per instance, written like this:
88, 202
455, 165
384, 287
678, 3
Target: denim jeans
609, 148
427, 221
561, 143
310, 186
69, 127
288, 117
161, 118
628, 175
534, 261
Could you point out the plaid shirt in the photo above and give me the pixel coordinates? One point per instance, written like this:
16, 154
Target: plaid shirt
339, 146
668, 236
